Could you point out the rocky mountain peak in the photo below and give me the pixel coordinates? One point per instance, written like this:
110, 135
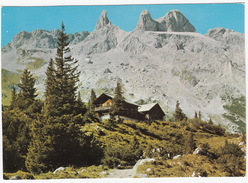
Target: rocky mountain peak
226, 35
39, 32
103, 21
173, 21
146, 22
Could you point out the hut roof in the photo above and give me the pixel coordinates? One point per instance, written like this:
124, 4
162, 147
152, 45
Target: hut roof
146, 107
105, 97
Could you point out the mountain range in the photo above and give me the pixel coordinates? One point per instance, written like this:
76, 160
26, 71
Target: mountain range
162, 60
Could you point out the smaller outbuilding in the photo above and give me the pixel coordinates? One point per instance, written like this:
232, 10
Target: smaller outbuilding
152, 111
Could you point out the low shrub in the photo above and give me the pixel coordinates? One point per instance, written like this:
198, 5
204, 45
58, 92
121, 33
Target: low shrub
21, 174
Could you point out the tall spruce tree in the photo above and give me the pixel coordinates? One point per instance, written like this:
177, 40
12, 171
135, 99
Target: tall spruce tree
13, 102
56, 136
90, 115
91, 106
50, 92
27, 85
118, 107
27, 95
62, 78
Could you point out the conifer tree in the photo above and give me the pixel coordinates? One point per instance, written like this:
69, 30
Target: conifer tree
91, 106
27, 95
56, 141
79, 99
179, 115
27, 85
13, 102
50, 92
80, 106
118, 106
17, 121
15, 139
90, 115
63, 78
92, 96
210, 122
196, 116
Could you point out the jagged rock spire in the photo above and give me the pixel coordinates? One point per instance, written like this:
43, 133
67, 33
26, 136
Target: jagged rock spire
103, 21
146, 22
173, 21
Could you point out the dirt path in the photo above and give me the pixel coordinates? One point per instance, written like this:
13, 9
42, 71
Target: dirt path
128, 173
125, 173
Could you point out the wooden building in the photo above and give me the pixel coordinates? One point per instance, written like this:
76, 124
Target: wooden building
152, 111
104, 103
103, 108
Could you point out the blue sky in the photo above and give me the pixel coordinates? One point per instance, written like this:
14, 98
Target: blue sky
84, 18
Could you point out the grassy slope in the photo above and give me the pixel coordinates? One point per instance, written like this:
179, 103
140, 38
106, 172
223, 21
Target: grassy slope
155, 135
8, 80
237, 112
12, 78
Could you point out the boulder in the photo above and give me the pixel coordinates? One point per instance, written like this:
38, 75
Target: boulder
241, 143
203, 152
15, 177
59, 169
177, 156
199, 150
148, 169
107, 71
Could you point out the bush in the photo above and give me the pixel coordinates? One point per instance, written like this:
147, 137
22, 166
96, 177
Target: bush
109, 124
114, 156
231, 148
170, 150
214, 129
231, 159
231, 164
20, 174
201, 172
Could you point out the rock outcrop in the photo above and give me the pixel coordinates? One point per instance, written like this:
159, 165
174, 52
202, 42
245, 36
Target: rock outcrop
226, 36
103, 21
173, 21
146, 23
